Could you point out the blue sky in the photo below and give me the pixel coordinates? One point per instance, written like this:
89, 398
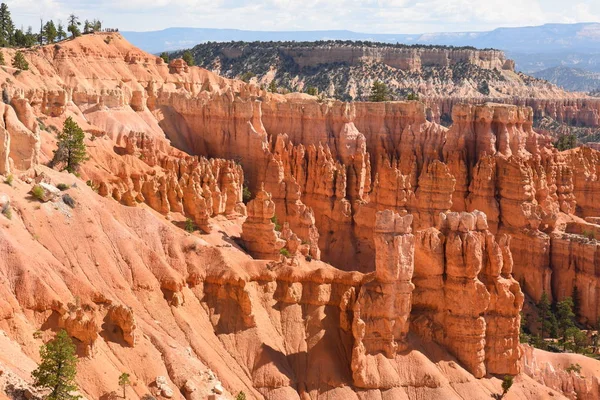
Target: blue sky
373, 16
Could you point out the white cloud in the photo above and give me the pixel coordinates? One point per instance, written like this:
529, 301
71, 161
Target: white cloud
378, 16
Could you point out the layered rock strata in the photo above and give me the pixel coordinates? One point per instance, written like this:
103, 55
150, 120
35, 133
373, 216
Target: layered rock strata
347, 180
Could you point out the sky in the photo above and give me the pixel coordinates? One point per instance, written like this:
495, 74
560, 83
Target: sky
370, 16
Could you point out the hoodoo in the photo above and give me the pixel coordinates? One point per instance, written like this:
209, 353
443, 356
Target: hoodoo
223, 239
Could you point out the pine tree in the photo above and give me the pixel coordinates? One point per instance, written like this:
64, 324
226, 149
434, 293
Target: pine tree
19, 38
566, 318
58, 368
379, 92
273, 86
87, 27
312, 91
30, 37
576, 301
188, 58
507, 383
546, 317
71, 147
61, 34
124, 382
20, 62
50, 32
96, 26
7, 29
165, 56
566, 142
73, 26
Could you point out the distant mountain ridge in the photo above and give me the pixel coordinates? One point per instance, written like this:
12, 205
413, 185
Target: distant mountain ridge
573, 79
346, 70
533, 48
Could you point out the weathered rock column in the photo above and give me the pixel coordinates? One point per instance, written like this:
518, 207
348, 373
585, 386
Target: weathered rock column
466, 297
383, 305
502, 318
258, 231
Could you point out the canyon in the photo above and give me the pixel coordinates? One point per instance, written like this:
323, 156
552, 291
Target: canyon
380, 255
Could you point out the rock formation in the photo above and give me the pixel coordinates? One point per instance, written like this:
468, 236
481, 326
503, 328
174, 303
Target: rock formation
382, 308
419, 227
259, 233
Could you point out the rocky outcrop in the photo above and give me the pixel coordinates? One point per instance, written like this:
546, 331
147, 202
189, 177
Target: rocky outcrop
150, 172
259, 234
465, 297
409, 59
381, 312
574, 385
122, 317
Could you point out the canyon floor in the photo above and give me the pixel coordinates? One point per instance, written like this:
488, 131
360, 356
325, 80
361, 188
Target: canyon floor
379, 256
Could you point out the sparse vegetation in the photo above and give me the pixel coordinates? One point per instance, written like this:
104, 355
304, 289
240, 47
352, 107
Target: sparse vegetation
574, 368
272, 86
507, 383
9, 180
379, 92
2, 62
566, 142
37, 192
484, 88
247, 76
546, 318
71, 149
566, 320
412, 96
188, 58
276, 222
68, 200
285, 252
20, 62
62, 186
190, 226
240, 396
58, 368
246, 194
313, 91
7, 212
590, 235
124, 382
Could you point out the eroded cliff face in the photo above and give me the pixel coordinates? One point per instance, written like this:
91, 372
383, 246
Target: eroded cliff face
420, 229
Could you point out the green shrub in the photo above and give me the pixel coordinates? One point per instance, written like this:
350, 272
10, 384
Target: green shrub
189, 225
308, 258
68, 200
312, 91
247, 76
246, 195
589, 235
38, 192
507, 382
7, 212
276, 222
574, 368
412, 96
285, 252
19, 61
240, 396
9, 180
62, 186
